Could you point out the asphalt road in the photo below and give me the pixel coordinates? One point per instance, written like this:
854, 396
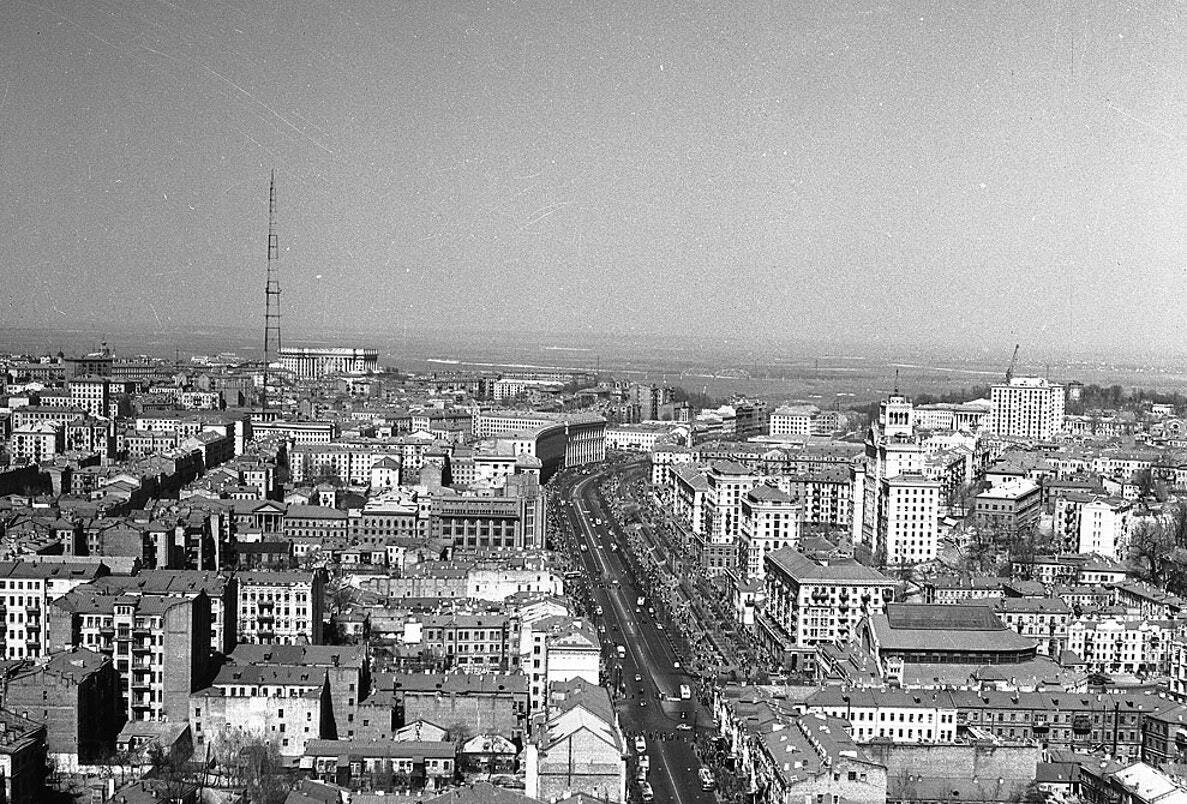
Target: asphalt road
674, 764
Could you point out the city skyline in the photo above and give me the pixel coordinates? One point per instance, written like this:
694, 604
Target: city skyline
859, 173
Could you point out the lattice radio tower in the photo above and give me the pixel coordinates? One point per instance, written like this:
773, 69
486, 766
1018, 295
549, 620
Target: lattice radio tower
271, 291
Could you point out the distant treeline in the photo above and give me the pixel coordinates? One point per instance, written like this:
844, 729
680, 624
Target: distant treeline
1114, 397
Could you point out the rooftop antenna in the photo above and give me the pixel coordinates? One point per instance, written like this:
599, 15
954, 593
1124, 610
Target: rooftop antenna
271, 291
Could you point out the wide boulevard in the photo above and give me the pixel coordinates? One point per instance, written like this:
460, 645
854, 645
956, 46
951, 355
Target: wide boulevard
646, 679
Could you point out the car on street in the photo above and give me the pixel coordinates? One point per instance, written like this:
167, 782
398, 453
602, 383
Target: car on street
683, 727
638, 676
676, 665
640, 744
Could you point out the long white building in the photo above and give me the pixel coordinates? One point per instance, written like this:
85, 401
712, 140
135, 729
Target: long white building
315, 363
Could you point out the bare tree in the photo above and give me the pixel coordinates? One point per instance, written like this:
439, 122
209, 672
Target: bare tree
1150, 546
1158, 549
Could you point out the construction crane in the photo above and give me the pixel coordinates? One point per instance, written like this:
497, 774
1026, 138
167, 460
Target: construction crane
1013, 362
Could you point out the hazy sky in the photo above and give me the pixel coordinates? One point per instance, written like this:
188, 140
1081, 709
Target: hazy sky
962, 172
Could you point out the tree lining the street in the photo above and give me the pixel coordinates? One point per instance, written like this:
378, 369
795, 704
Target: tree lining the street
1158, 549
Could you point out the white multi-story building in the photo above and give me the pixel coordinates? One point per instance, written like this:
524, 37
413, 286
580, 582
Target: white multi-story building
664, 459
34, 443
1104, 527
639, 437
792, 420
816, 602
511, 387
349, 461
1178, 668
1027, 407
727, 482
689, 489
899, 715
1130, 647
891, 449
280, 607
562, 648
770, 521
26, 590
908, 519
298, 432
91, 394
585, 433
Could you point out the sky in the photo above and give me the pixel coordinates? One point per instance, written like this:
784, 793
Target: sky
887, 173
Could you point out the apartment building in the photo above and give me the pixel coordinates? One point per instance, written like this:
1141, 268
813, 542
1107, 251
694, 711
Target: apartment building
1043, 619
91, 394
348, 460
901, 716
76, 694
1104, 527
280, 607
909, 519
220, 589
34, 443
26, 591
1010, 508
689, 490
1058, 720
562, 648
299, 433
727, 483
814, 602
160, 645
578, 748
1115, 646
473, 643
825, 494
792, 420
287, 705
1026, 407
347, 669
771, 520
